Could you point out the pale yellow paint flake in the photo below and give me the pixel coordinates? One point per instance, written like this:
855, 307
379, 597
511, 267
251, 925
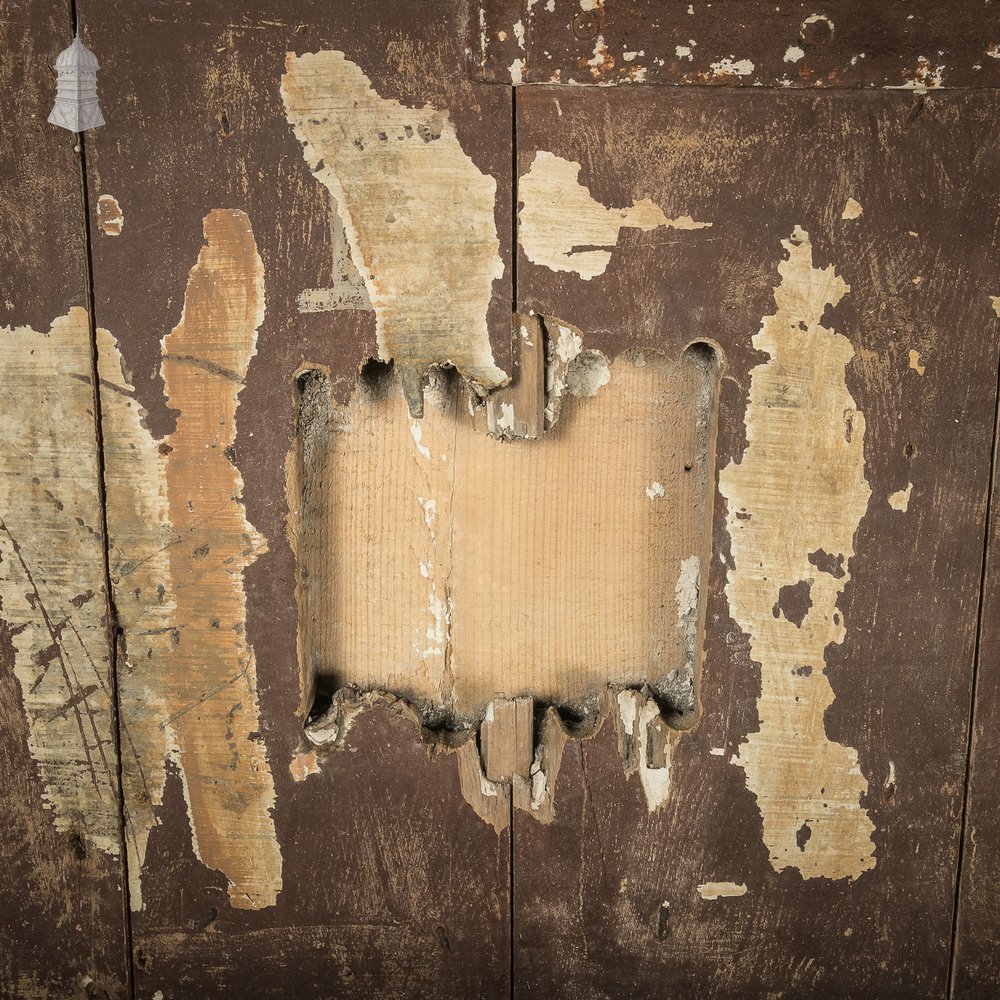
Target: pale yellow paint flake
721, 890
562, 227
799, 487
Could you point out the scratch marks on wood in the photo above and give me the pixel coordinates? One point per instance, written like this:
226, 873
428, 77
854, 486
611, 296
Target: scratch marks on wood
180, 543
562, 227
52, 594
799, 488
417, 212
139, 540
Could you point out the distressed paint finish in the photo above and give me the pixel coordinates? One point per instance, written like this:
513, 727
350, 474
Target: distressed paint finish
409, 908
52, 596
606, 892
139, 540
395, 172
799, 489
564, 229
62, 929
834, 45
212, 686
179, 544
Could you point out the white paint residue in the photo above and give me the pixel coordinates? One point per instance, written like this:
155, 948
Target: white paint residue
569, 345
924, 76
732, 67
994, 51
721, 890
110, 218
900, 500
637, 713
852, 210
655, 489
793, 54
563, 228
416, 433
686, 51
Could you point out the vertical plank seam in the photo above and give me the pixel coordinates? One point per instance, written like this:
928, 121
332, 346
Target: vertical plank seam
513, 311
113, 629
987, 540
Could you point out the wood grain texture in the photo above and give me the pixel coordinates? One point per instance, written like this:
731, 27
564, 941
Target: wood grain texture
410, 895
915, 46
607, 894
451, 567
62, 930
976, 962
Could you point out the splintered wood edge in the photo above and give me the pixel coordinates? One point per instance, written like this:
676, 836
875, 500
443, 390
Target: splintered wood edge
534, 745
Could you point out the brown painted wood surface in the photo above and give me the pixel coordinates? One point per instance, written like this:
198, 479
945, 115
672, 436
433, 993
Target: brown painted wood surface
62, 928
740, 43
390, 884
607, 896
384, 879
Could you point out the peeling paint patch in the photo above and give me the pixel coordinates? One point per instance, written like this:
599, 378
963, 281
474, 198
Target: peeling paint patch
417, 212
852, 210
721, 890
802, 482
915, 363
646, 745
347, 288
179, 544
995, 300
900, 500
793, 54
110, 218
52, 594
730, 66
563, 228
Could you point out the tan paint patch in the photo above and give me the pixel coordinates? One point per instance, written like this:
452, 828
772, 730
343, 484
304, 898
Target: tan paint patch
995, 300
721, 890
180, 537
417, 212
852, 210
52, 594
563, 228
496, 571
799, 487
900, 500
110, 218
915, 363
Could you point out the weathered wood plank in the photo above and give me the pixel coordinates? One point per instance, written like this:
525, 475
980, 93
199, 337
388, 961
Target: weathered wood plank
899, 44
976, 961
265, 245
808, 838
62, 913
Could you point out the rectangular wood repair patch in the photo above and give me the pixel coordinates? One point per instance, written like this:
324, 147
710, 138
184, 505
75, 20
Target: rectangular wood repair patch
450, 565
